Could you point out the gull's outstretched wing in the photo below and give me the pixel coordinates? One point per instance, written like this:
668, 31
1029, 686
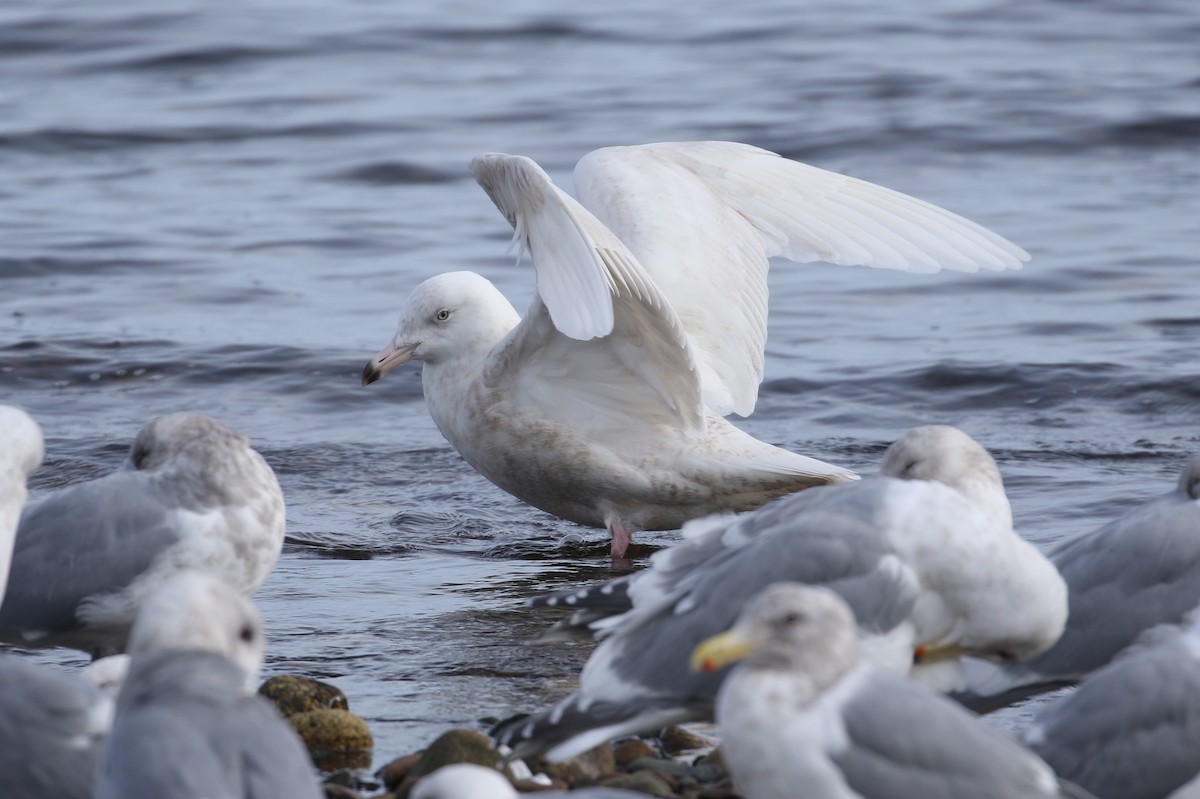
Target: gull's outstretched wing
599, 328
703, 217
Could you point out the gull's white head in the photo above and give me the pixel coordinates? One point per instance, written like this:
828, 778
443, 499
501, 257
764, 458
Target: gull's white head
801, 629
198, 610
21, 451
446, 316
944, 454
464, 781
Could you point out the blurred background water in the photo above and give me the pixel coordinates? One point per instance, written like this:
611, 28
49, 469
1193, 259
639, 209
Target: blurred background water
221, 207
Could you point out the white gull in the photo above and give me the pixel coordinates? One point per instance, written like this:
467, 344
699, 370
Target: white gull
604, 404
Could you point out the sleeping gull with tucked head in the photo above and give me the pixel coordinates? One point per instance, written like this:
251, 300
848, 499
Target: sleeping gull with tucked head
604, 404
193, 494
1138, 571
802, 715
188, 724
51, 722
925, 554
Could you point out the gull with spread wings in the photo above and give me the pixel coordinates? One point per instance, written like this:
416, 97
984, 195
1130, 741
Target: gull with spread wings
604, 404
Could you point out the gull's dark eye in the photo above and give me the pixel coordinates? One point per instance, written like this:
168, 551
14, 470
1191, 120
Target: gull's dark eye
1006, 656
791, 617
246, 633
443, 315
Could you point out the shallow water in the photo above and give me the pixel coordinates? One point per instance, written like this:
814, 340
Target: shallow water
222, 207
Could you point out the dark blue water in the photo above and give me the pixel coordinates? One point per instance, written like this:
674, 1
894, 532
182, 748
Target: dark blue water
221, 207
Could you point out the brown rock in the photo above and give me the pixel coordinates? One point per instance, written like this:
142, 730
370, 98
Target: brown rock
586, 768
453, 746
333, 791
677, 739
625, 752
335, 738
394, 772
293, 694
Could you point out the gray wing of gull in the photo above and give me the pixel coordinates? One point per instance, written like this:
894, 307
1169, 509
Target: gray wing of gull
673, 571
89, 539
1131, 729
639, 680
1139, 571
51, 723
904, 741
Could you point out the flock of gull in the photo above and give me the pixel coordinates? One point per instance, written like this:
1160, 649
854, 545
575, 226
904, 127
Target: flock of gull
843, 632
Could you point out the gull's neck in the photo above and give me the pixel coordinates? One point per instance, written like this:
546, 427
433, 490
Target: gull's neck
450, 383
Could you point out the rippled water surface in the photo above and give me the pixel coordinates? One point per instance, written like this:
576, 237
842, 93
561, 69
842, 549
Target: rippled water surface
221, 207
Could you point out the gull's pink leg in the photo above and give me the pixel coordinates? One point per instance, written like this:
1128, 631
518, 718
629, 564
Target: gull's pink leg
621, 537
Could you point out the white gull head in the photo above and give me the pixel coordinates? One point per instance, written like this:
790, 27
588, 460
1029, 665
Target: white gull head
198, 610
447, 316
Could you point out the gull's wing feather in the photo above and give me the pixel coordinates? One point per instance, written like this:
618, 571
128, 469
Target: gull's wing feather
1133, 728
572, 278
703, 217
598, 326
84, 541
950, 754
639, 679
603, 608
51, 724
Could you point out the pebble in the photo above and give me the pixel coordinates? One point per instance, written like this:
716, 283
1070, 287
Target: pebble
646, 782
627, 751
585, 768
674, 769
394, 772
677, 739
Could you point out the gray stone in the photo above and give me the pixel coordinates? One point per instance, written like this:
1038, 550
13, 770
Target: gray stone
642, 781
673, 768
